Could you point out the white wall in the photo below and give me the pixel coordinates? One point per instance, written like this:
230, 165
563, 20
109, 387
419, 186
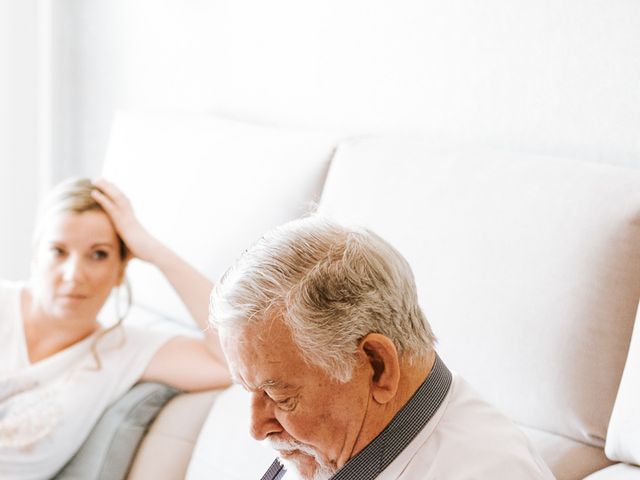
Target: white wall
535, 75
18, 134
50, 109
540, 76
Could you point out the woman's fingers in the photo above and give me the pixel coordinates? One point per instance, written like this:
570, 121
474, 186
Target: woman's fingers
112, 192
104, 201
115, 203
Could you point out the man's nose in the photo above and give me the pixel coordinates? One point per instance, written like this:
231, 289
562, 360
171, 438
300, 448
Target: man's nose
263, 422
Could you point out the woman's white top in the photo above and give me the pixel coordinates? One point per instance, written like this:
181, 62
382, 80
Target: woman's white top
48, 408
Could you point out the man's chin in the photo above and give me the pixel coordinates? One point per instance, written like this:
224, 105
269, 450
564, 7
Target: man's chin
304, 466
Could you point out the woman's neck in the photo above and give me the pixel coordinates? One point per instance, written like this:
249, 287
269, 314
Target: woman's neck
46, 334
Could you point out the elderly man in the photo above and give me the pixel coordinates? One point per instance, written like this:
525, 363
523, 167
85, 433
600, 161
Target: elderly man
322, 325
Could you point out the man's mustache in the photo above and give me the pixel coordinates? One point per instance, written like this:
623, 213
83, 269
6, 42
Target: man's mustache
291, 446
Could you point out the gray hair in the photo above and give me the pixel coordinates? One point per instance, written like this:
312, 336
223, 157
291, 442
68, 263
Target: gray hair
331, 286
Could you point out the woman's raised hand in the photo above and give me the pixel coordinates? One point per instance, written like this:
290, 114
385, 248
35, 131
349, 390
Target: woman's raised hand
139, 241
191, 285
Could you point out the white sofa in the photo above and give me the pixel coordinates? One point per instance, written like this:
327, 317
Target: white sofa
527, 266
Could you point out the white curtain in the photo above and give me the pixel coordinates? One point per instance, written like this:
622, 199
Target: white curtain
46, 130
78, 79
19, 174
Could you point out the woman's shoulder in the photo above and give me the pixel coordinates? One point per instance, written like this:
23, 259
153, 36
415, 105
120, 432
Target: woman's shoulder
133, 338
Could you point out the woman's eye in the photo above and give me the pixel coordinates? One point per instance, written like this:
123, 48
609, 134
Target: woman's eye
99, 255
56, 251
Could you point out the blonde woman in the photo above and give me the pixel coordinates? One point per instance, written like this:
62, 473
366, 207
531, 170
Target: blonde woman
59, 367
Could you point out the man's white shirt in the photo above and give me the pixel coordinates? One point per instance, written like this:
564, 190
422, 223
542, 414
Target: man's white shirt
446, 431
468, 439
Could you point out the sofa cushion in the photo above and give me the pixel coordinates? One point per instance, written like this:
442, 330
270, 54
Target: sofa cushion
165, 452
225, 449
527, 267
208, 187
568, 459
108, 451
623, 437
619, 471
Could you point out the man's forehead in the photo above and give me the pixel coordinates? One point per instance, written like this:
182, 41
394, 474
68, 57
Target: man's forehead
262, 355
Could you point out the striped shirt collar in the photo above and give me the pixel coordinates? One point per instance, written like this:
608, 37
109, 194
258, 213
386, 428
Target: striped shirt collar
402, 429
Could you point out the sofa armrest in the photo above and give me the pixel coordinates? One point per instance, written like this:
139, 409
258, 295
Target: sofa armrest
165, 451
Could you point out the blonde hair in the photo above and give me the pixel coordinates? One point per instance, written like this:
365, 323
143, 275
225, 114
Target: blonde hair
74, 196
331, 285
71, 196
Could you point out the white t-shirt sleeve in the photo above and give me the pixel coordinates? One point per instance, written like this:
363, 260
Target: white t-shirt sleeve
125, 354
47, 409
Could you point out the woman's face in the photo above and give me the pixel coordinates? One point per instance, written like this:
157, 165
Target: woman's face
77, 263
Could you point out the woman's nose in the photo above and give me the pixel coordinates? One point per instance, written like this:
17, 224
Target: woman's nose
73, 269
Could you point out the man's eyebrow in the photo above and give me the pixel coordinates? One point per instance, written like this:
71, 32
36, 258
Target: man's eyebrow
274, 384
271, 383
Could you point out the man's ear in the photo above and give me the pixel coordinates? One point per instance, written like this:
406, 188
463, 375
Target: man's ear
383, 360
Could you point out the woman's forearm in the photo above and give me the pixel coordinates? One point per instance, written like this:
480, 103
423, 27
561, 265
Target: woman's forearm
192, 287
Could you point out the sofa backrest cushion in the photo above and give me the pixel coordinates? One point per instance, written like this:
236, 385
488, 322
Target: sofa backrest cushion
165, 451
225, 449
623, 437
208, 187
527, 267
110, 448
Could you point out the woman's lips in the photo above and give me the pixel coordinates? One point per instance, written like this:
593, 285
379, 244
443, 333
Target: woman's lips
73, 297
